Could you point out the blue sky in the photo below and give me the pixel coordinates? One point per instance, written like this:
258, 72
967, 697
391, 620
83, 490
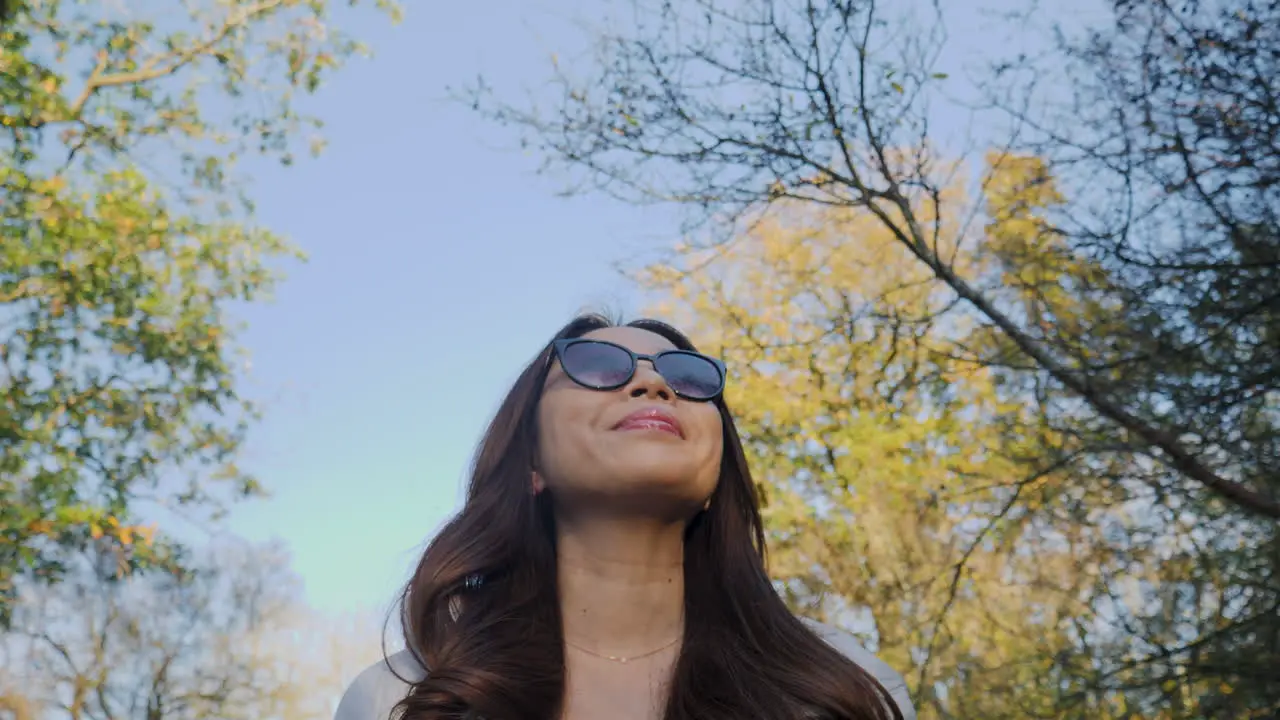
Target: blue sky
439, 263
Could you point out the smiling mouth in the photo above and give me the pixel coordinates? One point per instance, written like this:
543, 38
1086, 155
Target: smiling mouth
648, 423
651, 419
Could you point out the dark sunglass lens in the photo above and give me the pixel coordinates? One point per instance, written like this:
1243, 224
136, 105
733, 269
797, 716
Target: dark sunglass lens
595, 364
691, 375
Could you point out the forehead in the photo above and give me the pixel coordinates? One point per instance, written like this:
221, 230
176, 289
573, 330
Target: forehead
634, 339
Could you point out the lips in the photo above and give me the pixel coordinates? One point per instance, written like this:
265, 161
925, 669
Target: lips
651, 418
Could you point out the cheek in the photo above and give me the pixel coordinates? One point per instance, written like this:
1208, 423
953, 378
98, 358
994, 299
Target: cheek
711, 429
561, 446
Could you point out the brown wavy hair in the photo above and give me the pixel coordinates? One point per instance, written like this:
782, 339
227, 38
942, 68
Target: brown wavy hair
482, 611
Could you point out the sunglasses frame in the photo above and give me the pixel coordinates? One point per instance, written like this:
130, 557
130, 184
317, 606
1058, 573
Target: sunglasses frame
561, 345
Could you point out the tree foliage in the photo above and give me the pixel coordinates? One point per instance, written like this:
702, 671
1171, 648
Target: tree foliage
1168, 145
228, 638
899, 500
1018, 406
127, 235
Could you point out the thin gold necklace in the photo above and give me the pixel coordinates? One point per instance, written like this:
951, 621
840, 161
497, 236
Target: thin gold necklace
619, 658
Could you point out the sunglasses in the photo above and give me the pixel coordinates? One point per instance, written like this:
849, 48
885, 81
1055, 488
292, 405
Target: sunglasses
602, 365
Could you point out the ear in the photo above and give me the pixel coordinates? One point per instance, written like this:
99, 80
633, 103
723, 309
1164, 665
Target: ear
537, 483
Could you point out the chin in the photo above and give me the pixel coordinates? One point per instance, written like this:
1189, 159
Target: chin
641, 467
670, 476
674, 489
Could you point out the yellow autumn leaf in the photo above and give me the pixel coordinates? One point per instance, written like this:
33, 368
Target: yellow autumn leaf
147, 533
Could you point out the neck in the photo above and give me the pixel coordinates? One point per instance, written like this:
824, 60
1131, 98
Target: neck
621, 584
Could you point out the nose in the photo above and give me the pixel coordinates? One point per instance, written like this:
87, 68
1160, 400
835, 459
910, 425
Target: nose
649, 383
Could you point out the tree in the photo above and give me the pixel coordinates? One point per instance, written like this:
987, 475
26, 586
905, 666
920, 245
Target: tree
1170, 140
227, 638
729, 107
126, 235
1128, 361
908, 493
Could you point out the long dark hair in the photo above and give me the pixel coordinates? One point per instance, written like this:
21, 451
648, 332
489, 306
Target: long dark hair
482, 614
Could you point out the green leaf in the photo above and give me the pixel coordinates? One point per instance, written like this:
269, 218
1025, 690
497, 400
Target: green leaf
118, 370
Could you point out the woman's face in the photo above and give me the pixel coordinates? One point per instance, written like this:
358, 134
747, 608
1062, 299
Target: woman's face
616, 449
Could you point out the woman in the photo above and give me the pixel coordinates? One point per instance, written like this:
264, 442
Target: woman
608, 563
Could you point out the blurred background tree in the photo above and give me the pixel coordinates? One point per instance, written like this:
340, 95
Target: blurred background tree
127, 236
230, 638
